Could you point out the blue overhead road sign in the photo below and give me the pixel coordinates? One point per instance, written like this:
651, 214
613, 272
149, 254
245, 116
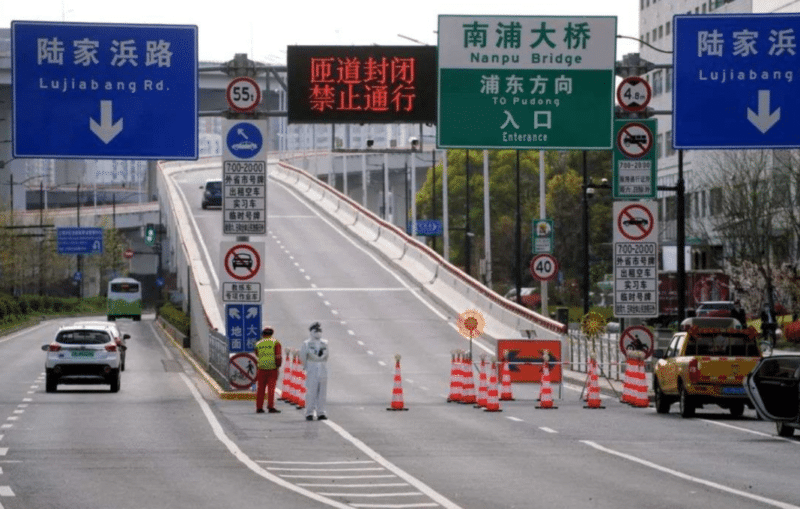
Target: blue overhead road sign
735, 81
102, 91
76, 240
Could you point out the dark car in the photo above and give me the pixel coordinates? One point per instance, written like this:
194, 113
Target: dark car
212, 194
774, 388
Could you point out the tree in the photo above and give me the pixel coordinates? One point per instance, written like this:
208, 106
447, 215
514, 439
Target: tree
753, 214
563, 188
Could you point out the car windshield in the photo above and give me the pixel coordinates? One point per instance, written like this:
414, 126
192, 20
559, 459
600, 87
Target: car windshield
722, 344
214, 187
82, 337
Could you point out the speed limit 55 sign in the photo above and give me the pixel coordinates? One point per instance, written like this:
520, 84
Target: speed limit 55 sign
243, 94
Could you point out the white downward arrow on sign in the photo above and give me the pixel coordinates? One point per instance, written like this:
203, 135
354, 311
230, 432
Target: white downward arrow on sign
106, 130
764, 120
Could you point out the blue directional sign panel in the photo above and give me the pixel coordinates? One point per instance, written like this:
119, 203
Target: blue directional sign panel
103, 91
736, 81
78, 240
242, 326
426, 227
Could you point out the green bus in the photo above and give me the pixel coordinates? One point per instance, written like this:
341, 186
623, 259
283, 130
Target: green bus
124, 299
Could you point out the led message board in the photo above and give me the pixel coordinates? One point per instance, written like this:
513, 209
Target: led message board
361, 84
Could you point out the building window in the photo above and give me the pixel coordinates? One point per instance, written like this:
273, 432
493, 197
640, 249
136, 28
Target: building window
661, 31
667, 28
668, 82
659, 151
715, 202
668, 148
671, 213
658, 83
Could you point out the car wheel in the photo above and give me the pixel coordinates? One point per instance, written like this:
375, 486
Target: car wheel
115, 382
137, 318
112, 318
662, 403
736, 409
783, 429
204, 206
50, 383
686, 403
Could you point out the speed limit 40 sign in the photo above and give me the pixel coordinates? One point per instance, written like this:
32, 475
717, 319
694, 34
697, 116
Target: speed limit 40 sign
544, 267
243, 94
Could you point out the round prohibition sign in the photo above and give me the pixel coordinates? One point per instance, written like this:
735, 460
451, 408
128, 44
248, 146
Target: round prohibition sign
634, 94
544, 267
242, 370
636, 338
634, 140
243, 94
242, 257
635, 222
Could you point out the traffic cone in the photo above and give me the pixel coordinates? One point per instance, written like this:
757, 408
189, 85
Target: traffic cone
493, 399
639, 383
483, 389
295, 392
455, 381
505, 393
469, 382
397, 390
301, 387
593, 395
287, 378
627, 388
546, 391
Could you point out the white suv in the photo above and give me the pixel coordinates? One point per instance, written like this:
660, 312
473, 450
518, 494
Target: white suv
120, 339
82, 355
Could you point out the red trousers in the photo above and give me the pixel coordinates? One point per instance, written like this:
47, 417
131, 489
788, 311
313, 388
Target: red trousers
266, 379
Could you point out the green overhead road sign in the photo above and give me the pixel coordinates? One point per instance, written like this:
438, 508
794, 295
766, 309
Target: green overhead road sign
526, 82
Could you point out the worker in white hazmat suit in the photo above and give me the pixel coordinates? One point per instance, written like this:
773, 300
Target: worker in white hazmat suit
314, 356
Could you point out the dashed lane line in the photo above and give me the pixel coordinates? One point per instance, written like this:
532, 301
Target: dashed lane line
691, 478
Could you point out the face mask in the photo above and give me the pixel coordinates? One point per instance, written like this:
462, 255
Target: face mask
316, 334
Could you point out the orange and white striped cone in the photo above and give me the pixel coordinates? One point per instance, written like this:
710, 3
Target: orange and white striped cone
287, 377
469, 383
301, 389
397, 390
493, 398
546, 390
455, 382
593, 395
627, 388
639, 384
296, 368
483, 388
506, 394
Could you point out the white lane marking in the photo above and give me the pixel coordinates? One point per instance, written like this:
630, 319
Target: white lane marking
515, 419
26, 332
391, 467
5, 491
351, 332
382, 363
27, 400
3, 451
353, 462
394, 506
374, 495
237, 453
2, 437
315, 289
691, 478
6, 426
759, 433
364, 250
547, 430
355, 469
363, 485
326, 303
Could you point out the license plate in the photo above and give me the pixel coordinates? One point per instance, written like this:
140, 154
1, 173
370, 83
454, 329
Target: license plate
733, 391
83, 353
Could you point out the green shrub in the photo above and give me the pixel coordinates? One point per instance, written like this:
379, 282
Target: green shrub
175, 317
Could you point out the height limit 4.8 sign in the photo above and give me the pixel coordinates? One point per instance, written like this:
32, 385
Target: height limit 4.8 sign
635, 260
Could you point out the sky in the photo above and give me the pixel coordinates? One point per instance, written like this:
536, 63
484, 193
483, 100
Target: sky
262, 29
